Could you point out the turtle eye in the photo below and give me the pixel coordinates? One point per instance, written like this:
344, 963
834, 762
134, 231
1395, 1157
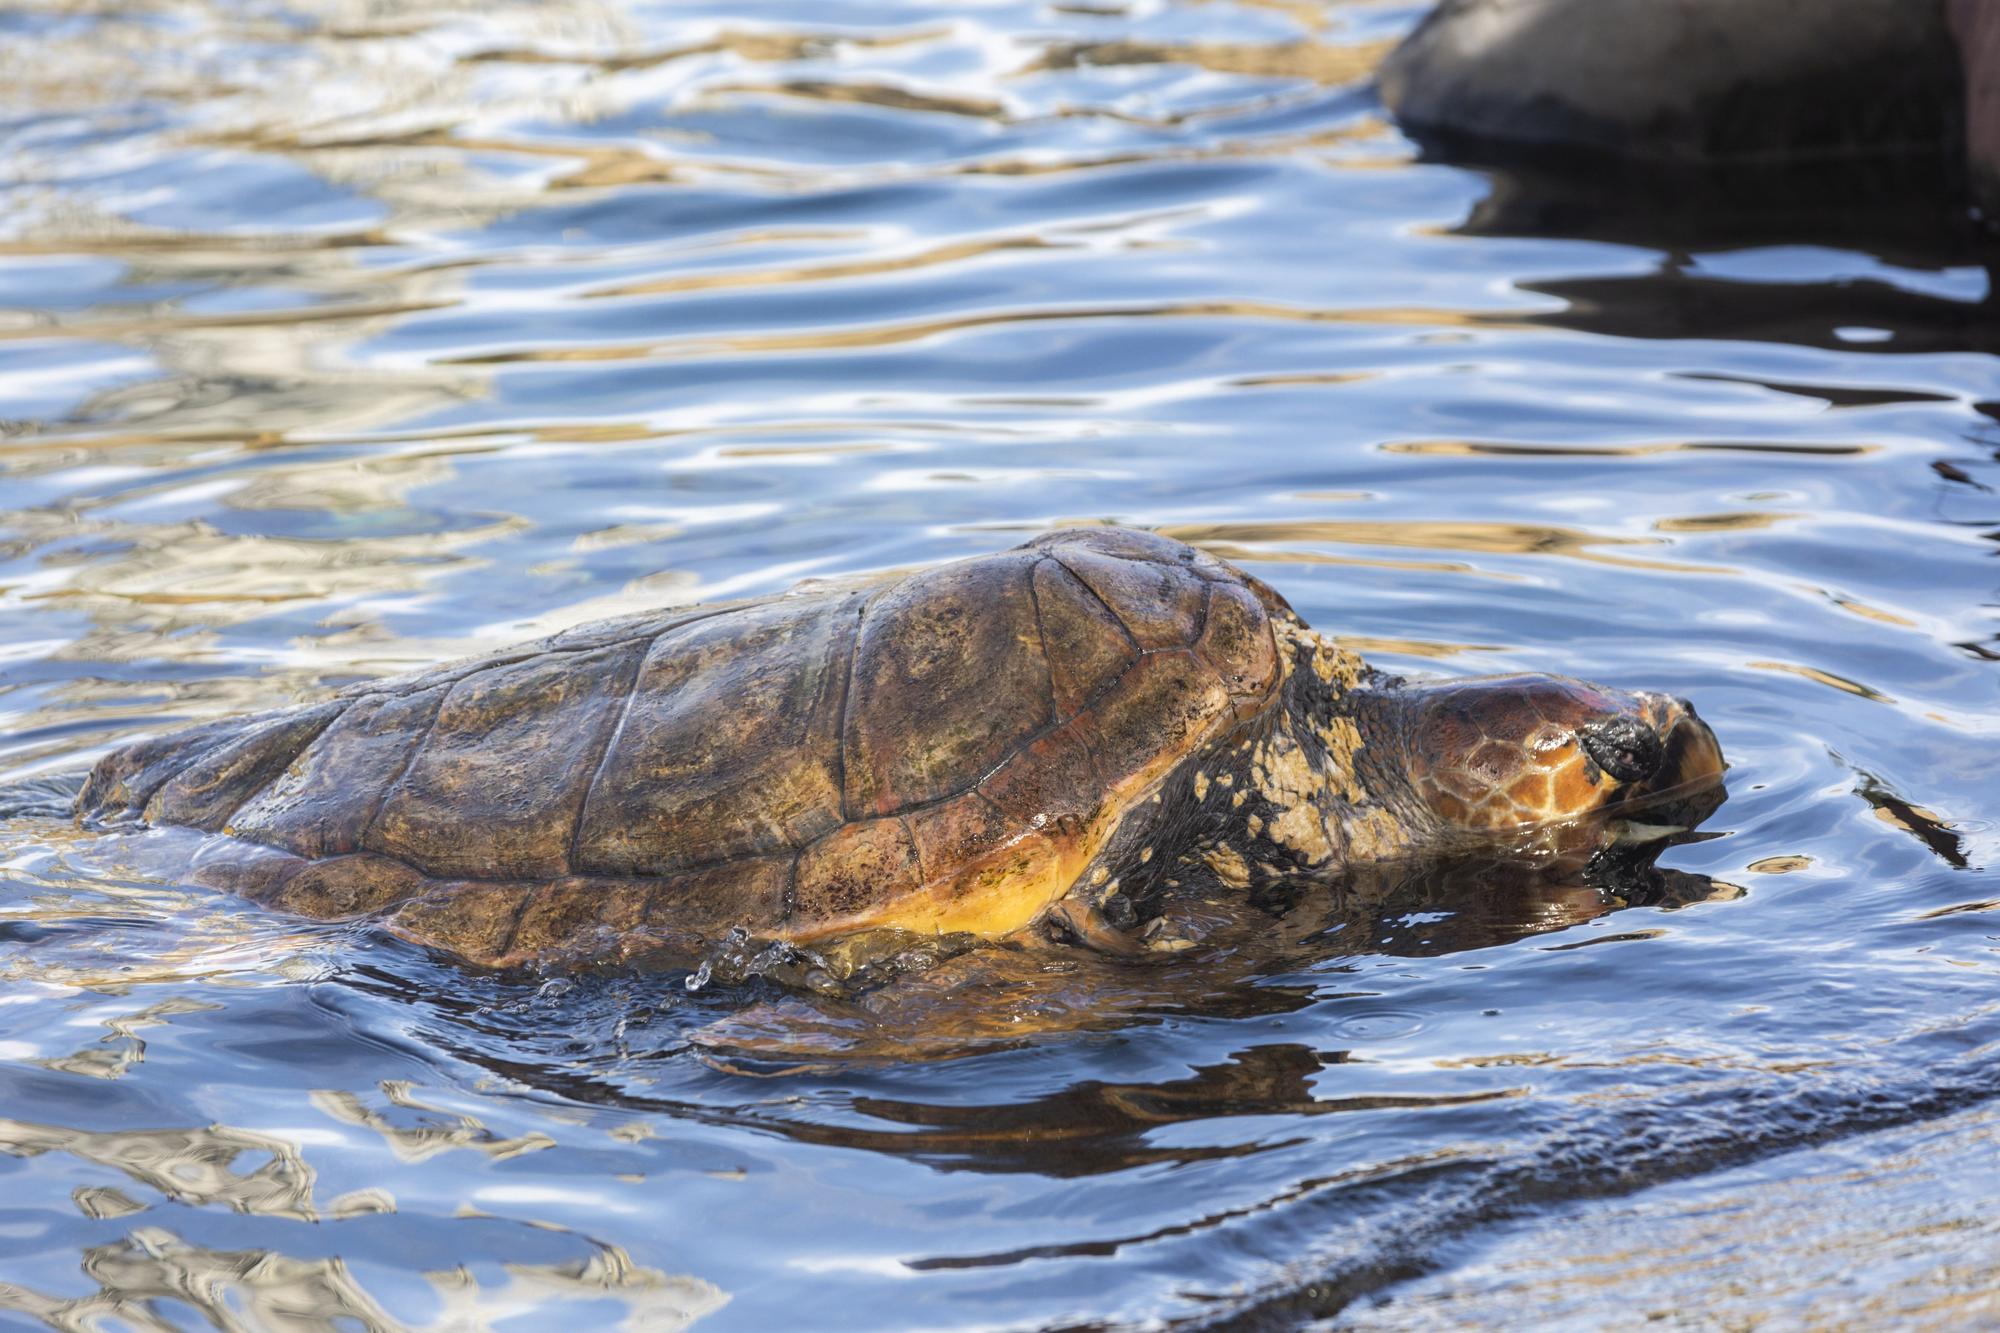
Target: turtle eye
1623, 746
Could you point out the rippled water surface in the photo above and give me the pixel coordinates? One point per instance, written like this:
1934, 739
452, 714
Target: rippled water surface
339, 338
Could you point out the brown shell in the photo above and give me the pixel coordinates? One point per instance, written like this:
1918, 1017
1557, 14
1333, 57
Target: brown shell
945, 751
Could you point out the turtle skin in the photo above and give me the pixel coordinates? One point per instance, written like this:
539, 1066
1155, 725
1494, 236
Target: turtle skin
952, 750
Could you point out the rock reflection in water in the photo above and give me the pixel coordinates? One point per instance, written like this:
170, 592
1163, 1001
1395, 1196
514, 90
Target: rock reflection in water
1898, 211
191, 1166
153, 1278
436, 1133
113, 1055
147, 1280
153, 1272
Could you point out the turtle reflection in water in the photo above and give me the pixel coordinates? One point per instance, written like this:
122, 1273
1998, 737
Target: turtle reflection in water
1089, 737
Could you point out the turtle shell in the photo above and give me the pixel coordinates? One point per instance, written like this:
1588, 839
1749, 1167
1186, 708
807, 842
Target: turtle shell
940, 752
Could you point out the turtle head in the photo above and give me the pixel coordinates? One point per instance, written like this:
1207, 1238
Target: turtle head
1494, 755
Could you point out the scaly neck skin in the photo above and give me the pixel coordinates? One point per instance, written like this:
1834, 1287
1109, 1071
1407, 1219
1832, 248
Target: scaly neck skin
1390, 820
1320, 784
1314, 786
1357, 719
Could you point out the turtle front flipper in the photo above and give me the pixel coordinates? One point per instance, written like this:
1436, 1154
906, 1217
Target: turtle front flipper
1074, 921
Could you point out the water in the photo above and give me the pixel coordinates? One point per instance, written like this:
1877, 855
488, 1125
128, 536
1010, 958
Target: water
342, 338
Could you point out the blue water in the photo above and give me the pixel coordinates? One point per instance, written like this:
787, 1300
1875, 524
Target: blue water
339, 339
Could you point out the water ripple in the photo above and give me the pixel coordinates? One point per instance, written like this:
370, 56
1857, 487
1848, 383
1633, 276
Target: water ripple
342, 339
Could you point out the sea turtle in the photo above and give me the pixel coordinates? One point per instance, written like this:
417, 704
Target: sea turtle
1061, 734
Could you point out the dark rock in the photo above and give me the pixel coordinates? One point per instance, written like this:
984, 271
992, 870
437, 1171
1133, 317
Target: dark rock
1698, 80
1977, 25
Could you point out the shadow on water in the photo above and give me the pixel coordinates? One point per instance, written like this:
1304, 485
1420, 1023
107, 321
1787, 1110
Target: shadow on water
1358, 1232
582, 1035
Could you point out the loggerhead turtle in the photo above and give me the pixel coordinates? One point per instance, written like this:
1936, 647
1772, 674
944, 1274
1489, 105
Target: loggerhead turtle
1063, 733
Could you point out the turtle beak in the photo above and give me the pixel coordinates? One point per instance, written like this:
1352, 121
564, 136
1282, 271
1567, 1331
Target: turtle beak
1674, 762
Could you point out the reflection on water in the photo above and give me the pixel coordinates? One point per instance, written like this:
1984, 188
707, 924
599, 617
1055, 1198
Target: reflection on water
341, 339
1890, 1231
427, 1138
186, 1165
153, 1271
